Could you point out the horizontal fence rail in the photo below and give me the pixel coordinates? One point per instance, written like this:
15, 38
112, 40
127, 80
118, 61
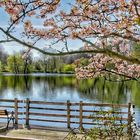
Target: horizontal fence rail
68, 113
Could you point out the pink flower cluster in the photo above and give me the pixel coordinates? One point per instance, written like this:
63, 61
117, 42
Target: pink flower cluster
102, 65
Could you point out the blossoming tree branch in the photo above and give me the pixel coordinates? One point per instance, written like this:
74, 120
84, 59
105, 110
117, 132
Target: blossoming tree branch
109, 30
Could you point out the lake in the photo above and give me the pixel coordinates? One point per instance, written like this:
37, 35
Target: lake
55, 87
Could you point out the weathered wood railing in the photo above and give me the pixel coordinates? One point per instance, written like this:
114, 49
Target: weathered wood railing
68, 113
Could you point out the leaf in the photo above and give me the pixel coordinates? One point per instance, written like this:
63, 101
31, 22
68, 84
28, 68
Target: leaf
137, 20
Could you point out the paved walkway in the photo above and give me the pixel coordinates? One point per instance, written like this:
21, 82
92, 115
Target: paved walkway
37, 134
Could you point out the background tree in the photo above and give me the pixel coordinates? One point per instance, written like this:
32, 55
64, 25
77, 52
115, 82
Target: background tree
0, 66
27, 58
15, 64
3, 58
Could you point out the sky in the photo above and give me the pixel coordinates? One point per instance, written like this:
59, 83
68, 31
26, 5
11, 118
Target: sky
10, 47
13, 47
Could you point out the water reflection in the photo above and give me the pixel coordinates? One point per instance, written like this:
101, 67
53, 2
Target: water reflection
62, 88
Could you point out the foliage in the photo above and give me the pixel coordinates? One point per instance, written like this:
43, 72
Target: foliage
136, 50
69, 68
15, 63
0, 66
109, 130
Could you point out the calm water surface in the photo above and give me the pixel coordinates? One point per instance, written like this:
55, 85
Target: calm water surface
51, 87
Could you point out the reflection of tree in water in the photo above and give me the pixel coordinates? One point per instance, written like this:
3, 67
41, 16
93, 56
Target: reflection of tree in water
113, 92
27, 82
51, 85
105, 91
92, 89
99, 88
16, 83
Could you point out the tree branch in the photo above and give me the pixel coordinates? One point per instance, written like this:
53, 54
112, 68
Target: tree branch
102, 51
120, 74
4, 41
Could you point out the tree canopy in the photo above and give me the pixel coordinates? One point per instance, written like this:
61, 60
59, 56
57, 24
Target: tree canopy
108, 30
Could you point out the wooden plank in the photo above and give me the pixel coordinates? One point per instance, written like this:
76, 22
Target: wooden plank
21, 113
50, 115
46, 120
113, 112
6, 100
75, 104
3, 113
48, 103
6, 106
81, 115
87, 123
100, 118
27, 111
91, 123
129, 118
68, 114
101, 105
21, 118
16, 112
21, 101
3, 117
76, 110
105, 105
47, 108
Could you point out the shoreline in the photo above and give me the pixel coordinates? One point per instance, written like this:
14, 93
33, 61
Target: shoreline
36, 74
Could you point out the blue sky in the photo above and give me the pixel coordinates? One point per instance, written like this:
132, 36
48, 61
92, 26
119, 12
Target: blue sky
14, 47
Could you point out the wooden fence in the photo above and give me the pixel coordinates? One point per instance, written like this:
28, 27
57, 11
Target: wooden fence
68, 113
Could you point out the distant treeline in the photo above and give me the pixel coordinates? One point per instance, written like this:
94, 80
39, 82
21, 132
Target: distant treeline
16, 63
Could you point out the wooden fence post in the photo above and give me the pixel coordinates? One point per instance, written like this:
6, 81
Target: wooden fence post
129, 118
81, 115
16, 113
27, 112
68, 114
